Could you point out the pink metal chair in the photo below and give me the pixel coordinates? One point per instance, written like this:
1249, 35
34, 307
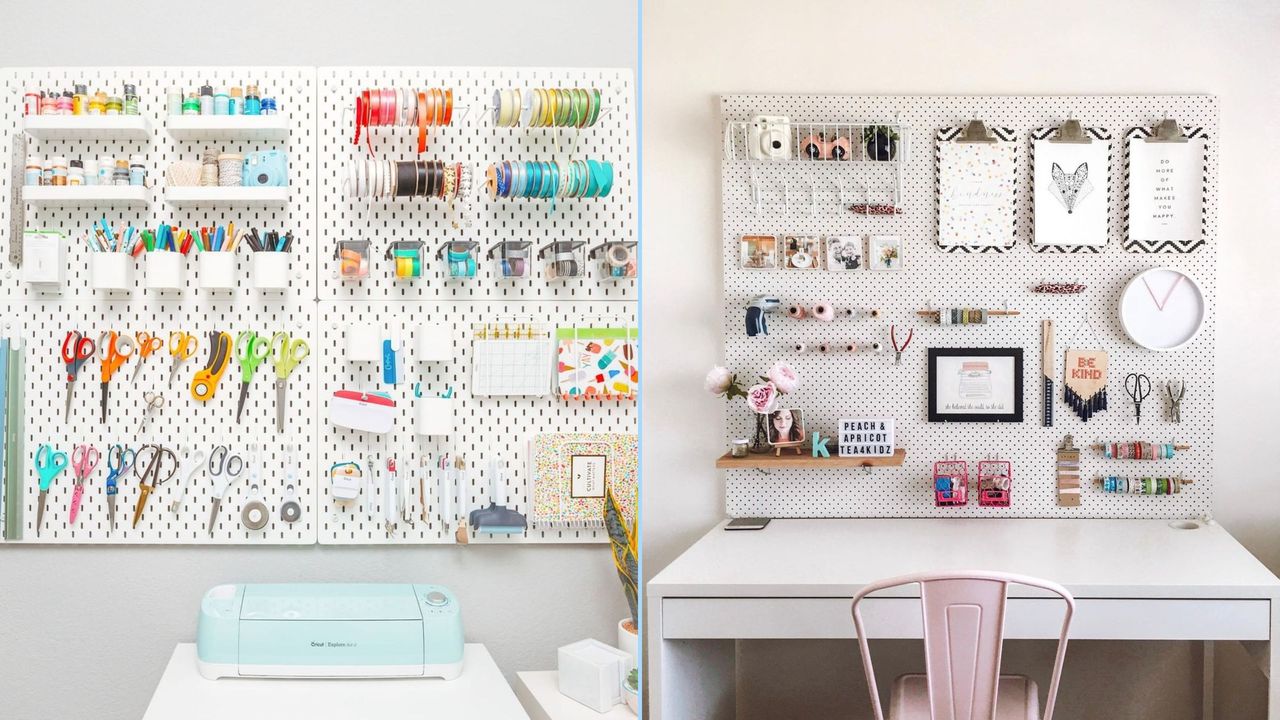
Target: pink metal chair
963, 639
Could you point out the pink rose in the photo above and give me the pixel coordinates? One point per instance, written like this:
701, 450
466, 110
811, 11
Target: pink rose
762, 398
784, 377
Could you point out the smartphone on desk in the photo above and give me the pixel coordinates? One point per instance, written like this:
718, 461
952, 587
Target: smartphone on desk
757, 523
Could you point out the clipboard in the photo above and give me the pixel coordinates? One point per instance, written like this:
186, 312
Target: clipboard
1070, 131
1166, 131
977, 133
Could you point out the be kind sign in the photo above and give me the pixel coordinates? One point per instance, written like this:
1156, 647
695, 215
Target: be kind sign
863, 437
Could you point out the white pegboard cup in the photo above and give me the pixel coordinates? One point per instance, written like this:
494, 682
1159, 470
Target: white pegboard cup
217, 270
433, 415
433, 342
269, 271
165, 270
111, 272
362, 343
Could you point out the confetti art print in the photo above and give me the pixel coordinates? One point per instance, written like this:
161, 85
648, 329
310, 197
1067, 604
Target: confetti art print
976, 185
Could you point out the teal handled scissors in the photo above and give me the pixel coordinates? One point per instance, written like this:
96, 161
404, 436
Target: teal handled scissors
251, 350
120, 460
76, 349
49, 464
84, 458
289, 353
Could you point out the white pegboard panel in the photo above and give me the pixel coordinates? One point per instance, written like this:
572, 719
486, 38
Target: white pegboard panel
484, 427
43, 319
473, 139
868, 385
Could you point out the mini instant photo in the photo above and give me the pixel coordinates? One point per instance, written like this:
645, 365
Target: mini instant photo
759, 252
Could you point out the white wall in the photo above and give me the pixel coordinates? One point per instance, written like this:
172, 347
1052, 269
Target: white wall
693, 52
85, 632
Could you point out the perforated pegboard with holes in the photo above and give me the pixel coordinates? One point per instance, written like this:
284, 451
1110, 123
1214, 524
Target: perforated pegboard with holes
484, 428
870, 385
473, 139
43, 319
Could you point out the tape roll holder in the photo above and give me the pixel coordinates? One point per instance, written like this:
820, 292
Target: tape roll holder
353, 258
345, 480
566, 259
511, 259
617, 258
406, 255
460, 257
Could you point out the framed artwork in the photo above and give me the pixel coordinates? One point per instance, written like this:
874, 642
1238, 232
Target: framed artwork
758, 252
975, 384
786, 428
884, 252
844, 252
802, 252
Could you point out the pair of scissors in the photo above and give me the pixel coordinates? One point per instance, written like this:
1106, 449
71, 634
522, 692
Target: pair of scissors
1139, 387
84, 458
113, 350
182, 346
49, 464
289, 353
225, 470
119, 461
149, 472
251, 350
147, 344
191, 464
150, 401
76, 349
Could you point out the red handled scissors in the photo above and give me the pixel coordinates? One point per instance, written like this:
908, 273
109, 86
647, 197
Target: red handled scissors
76, 349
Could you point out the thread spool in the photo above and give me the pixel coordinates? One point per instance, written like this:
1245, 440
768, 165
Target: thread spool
800, 348
796, 311
209, 168
824, 312
851, 347
230, 169
824, 348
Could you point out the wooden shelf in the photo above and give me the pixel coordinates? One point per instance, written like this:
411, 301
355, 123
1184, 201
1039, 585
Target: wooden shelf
791, 461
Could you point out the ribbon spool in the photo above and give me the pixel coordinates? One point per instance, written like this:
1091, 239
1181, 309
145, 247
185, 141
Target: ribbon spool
397, 107
550, 180
390, 179
547, 107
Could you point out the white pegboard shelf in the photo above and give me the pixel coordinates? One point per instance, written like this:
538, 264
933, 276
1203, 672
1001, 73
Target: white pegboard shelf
227, 127
87, 127
210, 196
45, 195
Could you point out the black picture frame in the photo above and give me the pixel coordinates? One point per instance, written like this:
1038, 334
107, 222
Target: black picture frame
936, 416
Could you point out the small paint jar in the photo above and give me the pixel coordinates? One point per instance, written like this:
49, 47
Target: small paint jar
75, 173
80, 101
191, 105
58, 165
48, 105
64, 104
90, 172
115, 105
137, 170
31, 102
131, 99
268, 106
98, 103
106, 167
46, 172
173, 101
221, 102
120, 175
252, 104
206, 99
235, 101
33, 172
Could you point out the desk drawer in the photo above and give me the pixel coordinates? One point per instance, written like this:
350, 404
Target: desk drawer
1025, 618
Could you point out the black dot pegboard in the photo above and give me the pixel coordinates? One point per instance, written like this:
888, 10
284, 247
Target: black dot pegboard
870, 385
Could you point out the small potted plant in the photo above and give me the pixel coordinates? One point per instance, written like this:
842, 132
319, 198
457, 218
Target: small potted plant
622, 539
632, 691
881, 142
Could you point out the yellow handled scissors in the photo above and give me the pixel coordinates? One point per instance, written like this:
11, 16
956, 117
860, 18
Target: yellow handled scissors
182, 346
289, 353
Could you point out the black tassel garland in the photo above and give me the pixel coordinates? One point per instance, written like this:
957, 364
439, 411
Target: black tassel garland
1083, 407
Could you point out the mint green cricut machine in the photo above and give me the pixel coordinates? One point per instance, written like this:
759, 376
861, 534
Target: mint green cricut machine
329, 631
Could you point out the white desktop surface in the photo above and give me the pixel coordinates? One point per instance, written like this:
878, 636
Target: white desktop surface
540, 693
1132, 580
481, 692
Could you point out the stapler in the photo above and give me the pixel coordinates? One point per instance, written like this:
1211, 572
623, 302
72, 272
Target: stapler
756, 309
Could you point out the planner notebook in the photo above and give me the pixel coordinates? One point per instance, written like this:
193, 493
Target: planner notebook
571, 472
597, 363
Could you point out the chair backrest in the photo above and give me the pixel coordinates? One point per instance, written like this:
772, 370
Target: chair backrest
963, 636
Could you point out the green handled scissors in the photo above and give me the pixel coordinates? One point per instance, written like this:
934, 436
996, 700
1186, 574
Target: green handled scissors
49, 464
251, 350
289, 353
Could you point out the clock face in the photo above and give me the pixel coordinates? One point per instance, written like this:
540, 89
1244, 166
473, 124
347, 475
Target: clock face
1162, 309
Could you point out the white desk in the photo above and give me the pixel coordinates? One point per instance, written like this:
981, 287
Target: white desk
1132, 579
481, 692
540, 693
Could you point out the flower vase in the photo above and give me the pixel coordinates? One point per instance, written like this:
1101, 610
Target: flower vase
760, 444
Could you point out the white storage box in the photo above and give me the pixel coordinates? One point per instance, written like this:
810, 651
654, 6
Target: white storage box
593, 673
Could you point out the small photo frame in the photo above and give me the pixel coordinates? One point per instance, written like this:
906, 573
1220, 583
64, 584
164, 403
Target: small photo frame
844, 253
884, 252
975, 384
802, 252
758, 252
785, 428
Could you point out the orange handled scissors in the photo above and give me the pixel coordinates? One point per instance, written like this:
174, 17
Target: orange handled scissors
113, 350
147, 344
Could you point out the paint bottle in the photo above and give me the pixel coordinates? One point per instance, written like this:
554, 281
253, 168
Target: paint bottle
252, 105
131, 99
221, 101
235, 103
90, 172
58, 176
33, 173
120, 175
98, 103
75, 173
80, 101
206, 99
115, 105
46, 172
64, 104
268, 106
191, 106
106, 168
31, 102
137, 170
173, 101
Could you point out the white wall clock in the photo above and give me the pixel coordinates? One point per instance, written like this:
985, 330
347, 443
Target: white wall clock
1162, 309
